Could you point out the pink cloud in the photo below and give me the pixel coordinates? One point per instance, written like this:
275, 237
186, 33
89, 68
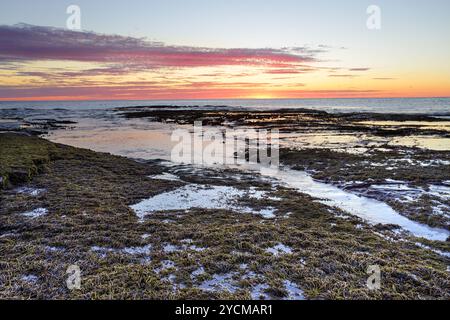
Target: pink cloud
30, 43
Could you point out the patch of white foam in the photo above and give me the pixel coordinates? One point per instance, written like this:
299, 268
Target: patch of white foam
165, 176
169, 248
165, 264
144, 250
138, 250
172, 280
440, 191
101, 251
394, 181
294, 292
8, 235
372, 211
197, 272
219, 282
394, 187
31, 278
194, 248
439, 252
256, 194
34, 192
279, 249
202, 197
36, 213
55, 249
268, 213
258, 292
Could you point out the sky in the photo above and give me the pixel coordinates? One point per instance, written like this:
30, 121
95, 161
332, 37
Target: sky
219, 49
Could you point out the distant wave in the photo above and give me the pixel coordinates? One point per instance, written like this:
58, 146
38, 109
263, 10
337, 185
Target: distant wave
388, 105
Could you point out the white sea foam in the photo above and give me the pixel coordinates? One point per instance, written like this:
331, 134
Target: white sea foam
279, 249
165, 176
202, 197
36, 213
34, 192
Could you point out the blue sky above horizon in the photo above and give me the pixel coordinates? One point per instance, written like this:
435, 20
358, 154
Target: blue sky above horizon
412, 43
240, 23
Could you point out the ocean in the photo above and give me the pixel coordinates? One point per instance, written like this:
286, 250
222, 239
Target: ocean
379, 105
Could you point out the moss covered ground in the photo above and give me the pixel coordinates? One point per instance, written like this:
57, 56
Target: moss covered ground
176, 254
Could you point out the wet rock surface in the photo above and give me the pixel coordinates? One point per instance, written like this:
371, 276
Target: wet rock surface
287, 120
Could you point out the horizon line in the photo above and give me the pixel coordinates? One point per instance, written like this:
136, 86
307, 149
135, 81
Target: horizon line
223, 99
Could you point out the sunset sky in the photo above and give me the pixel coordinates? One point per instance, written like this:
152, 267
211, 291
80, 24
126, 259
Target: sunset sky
217, 49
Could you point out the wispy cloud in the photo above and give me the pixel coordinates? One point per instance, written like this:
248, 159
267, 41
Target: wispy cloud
30, 43
297, 70
342, 75
384, 78
359, 69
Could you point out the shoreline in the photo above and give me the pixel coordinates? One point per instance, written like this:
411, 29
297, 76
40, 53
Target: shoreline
411, 170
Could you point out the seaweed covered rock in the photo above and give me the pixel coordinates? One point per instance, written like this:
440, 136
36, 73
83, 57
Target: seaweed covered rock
21, 157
